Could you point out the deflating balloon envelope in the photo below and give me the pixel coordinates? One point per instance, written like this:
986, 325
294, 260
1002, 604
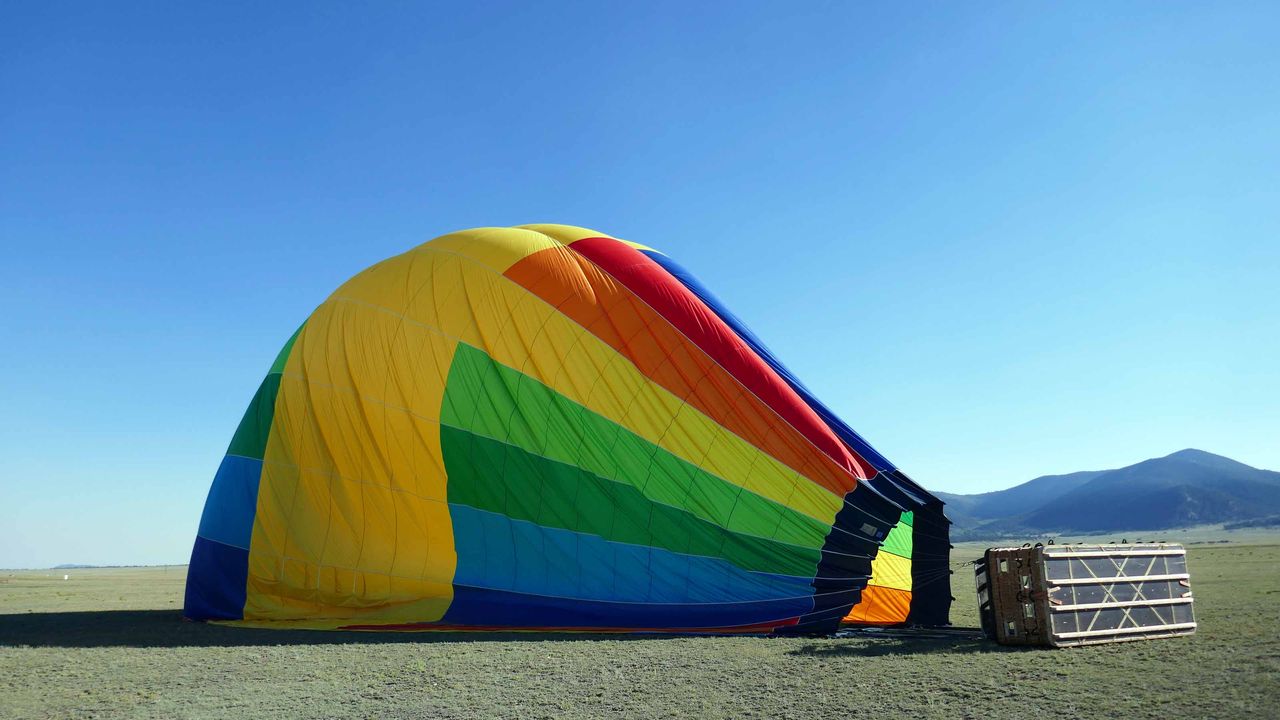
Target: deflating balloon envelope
547, 427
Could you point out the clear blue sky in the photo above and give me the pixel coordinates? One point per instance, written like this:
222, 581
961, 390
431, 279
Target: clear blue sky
1002, 241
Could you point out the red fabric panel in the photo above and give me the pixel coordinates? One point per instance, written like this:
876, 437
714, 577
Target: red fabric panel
673, 301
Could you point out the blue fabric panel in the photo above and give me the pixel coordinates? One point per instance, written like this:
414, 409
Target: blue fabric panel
216, 581
489, 608
233, 502
499, 553
838, 426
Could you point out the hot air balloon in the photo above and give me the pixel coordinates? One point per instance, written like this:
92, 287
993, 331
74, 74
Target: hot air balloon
545, 427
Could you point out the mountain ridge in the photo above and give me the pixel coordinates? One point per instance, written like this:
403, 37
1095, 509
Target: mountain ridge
1184, 488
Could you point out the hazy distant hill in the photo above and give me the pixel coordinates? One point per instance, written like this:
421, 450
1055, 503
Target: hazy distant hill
1189, 487
970, 510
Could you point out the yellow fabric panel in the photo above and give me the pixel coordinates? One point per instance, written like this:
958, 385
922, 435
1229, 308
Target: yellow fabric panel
498, 248
469, 302
563, 234
891, 571
569, 234
352, 521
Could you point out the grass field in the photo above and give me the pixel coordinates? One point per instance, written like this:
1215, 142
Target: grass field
109, 643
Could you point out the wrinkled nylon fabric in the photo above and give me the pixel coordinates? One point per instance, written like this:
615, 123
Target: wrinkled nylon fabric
541, 427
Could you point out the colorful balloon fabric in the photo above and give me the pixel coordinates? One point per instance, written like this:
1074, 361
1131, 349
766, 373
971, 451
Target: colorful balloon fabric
545, 427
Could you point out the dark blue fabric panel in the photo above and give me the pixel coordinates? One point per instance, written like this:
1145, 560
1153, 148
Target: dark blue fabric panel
216, 581
838, 426
906, 495
499, 608
233, 502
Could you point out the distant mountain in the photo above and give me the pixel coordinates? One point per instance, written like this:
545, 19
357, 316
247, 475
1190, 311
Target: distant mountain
1024, 498
1189, 487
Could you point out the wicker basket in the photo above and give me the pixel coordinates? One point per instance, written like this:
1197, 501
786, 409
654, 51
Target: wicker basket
1065, 595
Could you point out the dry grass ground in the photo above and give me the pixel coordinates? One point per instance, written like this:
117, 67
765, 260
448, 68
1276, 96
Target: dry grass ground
109, 643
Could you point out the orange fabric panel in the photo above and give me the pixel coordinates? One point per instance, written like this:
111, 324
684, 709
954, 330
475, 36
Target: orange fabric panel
611, 312
881, 606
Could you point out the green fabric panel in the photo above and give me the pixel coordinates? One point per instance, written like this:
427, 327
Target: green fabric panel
283, 357
490, 399
250, 439
898, 541
907, 518
554, 494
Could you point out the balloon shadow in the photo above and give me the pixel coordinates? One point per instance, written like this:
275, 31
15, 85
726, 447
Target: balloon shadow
168, 629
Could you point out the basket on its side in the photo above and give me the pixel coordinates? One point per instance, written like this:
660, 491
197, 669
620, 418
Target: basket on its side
1064, 595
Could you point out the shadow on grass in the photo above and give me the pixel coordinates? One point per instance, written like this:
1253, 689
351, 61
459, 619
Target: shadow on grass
168, 629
